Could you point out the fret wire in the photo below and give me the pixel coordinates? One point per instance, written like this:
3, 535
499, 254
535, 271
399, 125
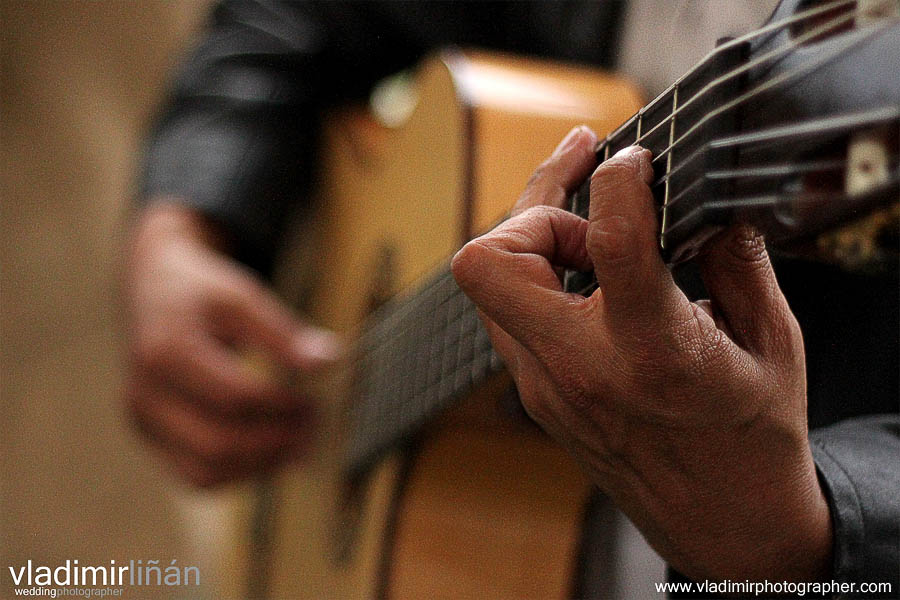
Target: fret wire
640, 120
460, 349
773, 200
398, 311
766, 85
782, 169
662, 230
770, 28
382, 327
697, 181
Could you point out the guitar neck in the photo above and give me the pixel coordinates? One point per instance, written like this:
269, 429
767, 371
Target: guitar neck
417, 355
744, 137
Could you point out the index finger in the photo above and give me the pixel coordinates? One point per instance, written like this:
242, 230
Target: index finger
559, 175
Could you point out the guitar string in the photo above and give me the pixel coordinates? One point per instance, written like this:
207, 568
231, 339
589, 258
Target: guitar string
775, 53
745, 171
441, 293
401, 415
772, 27
415, 302
805, 128
798, 17
772, 200
782, 169
770, 84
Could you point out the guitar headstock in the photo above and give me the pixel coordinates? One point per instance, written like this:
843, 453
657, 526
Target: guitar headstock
794, 128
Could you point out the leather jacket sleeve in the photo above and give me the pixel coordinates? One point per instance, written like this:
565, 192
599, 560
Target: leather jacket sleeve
238, 135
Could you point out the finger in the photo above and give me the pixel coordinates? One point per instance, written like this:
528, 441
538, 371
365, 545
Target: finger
251, 313
228, 445
742, 285
637, 288
559, 175
216, 375
509, 275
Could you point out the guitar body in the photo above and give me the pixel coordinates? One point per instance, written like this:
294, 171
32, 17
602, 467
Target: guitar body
482, 504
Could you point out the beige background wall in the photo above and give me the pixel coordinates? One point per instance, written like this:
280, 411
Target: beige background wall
79, 81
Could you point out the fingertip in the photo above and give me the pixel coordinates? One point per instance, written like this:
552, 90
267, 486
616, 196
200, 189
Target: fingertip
313, 346
635, 158
580, 138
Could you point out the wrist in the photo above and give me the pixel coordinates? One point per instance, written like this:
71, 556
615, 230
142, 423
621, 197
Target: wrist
752, 514
168, 219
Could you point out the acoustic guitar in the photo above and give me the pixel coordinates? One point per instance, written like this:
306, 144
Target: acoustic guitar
427, 480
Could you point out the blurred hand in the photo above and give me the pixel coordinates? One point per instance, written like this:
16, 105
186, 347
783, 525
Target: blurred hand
690, 416
193, 314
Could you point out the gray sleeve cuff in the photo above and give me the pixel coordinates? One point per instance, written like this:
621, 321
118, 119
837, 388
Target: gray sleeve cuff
858, 463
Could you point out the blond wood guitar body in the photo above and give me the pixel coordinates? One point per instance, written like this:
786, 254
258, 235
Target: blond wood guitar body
485, 506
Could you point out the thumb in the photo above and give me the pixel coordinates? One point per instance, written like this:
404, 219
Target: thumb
261, 319
742, 286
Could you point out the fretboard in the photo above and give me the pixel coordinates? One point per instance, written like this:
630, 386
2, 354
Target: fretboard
416, 356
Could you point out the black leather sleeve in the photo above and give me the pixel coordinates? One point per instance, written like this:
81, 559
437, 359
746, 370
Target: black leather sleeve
858, 461
238, 134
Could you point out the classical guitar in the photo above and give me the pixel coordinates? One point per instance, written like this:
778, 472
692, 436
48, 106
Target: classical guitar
428, 481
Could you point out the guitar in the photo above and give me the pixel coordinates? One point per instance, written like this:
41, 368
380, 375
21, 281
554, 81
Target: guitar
427, 483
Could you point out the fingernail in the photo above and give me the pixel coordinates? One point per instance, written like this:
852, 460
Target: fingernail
628, 151
569, 140
640, 157
317, 345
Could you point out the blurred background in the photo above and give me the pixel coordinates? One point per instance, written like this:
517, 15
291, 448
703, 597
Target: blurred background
80, 81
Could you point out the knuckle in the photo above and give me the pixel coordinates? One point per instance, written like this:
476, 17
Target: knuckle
746, 248
237, 292
611, 238
542, 171
698, 347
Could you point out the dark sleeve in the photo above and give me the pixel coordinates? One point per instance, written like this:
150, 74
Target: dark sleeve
238, 133
858, 461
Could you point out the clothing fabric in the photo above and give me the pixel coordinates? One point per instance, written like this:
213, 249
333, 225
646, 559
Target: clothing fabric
238, 136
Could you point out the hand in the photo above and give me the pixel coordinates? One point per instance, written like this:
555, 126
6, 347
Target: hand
193, 313
690, 416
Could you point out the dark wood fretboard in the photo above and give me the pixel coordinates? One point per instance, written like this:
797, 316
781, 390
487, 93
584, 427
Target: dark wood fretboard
416, 356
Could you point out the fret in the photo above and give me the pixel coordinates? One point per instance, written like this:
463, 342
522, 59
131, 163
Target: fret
424, 351
655, 129
622, 137
667, 192
439, 348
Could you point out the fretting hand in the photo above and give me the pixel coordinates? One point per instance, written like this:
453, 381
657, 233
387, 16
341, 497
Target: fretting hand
690, 416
